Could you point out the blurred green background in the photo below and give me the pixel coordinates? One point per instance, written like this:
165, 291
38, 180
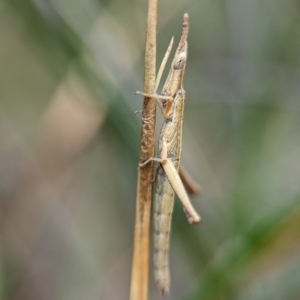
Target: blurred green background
69, 146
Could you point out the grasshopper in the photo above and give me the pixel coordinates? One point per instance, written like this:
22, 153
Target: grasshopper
168, 182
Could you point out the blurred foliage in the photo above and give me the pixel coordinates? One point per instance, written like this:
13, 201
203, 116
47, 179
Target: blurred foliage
70, 141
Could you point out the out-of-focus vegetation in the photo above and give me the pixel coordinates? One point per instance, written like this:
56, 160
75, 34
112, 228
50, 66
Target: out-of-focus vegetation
69, 143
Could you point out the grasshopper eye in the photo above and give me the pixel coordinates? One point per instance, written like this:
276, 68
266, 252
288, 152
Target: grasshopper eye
179, 61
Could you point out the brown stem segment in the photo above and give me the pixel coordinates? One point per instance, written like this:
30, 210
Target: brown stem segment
140, 263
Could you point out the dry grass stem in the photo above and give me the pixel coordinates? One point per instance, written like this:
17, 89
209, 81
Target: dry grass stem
140, 263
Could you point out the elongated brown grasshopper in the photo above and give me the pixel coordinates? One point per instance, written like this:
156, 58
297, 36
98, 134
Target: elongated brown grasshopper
168, 182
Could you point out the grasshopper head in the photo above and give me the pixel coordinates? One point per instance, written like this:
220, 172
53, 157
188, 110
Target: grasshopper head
180, 61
